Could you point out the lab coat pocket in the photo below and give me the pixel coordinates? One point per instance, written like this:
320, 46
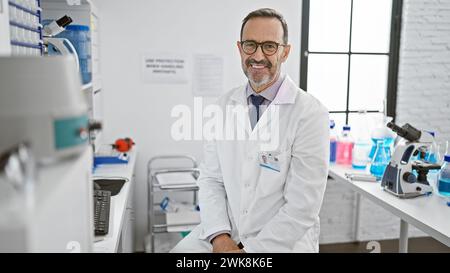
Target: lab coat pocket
273, 168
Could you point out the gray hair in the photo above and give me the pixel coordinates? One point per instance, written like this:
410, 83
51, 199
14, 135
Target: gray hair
267, 13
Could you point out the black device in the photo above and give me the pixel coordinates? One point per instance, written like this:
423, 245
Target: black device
102, 202
114, 185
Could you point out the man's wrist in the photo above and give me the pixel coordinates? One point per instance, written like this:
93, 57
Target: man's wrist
220, 237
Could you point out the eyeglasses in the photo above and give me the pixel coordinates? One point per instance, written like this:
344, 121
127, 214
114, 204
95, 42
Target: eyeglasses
268, 48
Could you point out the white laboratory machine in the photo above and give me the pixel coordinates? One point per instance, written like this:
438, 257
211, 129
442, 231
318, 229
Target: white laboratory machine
47, 206
41, 103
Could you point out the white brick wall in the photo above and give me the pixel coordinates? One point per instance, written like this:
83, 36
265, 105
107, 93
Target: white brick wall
423, 100
424, 76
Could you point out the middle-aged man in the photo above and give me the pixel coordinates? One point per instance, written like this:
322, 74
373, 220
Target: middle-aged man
248, 204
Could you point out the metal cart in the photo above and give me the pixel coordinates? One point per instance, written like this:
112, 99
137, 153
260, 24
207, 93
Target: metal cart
156, 218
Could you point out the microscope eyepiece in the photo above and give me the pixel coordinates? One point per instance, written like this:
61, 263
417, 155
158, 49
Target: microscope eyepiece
406, 131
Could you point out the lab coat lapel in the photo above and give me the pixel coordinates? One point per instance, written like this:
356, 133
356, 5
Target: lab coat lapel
240, 100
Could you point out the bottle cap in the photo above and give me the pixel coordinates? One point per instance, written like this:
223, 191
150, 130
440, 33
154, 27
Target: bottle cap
447, 158
431, 133
346, 128
332, 124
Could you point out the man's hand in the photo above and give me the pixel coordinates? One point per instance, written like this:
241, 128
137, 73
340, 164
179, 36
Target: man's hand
223, 243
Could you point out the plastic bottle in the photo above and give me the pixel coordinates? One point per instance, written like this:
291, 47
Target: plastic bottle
444, 177
344, 147
380, 160
333, 141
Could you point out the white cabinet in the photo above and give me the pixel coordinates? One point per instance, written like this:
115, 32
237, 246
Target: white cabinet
5, 45
20, 28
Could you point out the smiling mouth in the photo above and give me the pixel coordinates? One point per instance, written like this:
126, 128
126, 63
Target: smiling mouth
258, 66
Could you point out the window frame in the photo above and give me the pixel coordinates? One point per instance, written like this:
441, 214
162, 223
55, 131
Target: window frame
393, 55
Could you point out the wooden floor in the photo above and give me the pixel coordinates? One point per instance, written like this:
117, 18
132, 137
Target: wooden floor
415, 245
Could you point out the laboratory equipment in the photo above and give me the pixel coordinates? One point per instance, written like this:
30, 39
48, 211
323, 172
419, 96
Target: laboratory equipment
45, 208
381, 132
54, 27
380, 160
360, 155
79, 37
344, 147
123, 144
361, 177
333, 141
177, 179
25, 30
398, 177
41, 103
102, 204
58, 46
444, 178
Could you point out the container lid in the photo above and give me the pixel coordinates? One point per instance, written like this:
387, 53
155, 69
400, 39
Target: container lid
332, 124
431, 133
346, 128
77, 27
447, 158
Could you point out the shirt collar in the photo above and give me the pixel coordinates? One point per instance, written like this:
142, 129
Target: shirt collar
270, 93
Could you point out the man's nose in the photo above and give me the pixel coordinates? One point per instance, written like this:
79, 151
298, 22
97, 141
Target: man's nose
259, 55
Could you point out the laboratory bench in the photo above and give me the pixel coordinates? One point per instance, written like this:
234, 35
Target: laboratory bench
427, 213
121, 220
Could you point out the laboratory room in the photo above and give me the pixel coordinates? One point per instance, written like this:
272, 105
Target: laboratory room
224, 126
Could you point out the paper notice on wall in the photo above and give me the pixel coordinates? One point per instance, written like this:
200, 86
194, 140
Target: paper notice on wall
208, 75
164, 68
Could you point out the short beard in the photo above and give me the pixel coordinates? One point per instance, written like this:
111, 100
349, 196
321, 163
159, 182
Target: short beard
259, 83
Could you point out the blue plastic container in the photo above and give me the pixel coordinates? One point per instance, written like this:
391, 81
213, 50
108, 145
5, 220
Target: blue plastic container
79, 36
444, 178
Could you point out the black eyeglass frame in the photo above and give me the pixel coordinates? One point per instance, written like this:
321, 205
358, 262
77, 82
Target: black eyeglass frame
261, 45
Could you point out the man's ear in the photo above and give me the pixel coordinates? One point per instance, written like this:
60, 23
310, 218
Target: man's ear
286, 51
238, 45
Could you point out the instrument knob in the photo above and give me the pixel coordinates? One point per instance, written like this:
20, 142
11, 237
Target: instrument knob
409, 177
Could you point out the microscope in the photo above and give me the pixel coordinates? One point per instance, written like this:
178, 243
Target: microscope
406, 173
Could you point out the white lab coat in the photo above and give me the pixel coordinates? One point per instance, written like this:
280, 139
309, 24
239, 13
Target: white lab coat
269, 211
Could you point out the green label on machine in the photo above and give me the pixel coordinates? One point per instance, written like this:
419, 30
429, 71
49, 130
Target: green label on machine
67, 132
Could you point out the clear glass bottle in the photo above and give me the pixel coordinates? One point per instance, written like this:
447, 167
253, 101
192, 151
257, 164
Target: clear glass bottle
360, 156
380, 159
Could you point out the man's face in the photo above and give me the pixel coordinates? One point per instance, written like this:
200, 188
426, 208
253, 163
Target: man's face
262, 70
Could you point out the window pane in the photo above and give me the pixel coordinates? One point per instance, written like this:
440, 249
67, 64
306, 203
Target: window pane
368, 82
364, 124
329, 25
371, 25
327, 79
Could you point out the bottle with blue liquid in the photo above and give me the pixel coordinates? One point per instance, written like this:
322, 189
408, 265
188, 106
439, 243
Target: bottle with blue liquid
382, 133
444, 178
333, 142
380, 159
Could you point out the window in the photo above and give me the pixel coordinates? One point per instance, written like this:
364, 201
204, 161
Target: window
349, 57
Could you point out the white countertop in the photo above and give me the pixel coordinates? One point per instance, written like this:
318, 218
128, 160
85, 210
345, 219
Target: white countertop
110, 242
428, 213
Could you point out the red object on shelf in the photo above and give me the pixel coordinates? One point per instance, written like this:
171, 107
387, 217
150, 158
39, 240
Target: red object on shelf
123, 144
